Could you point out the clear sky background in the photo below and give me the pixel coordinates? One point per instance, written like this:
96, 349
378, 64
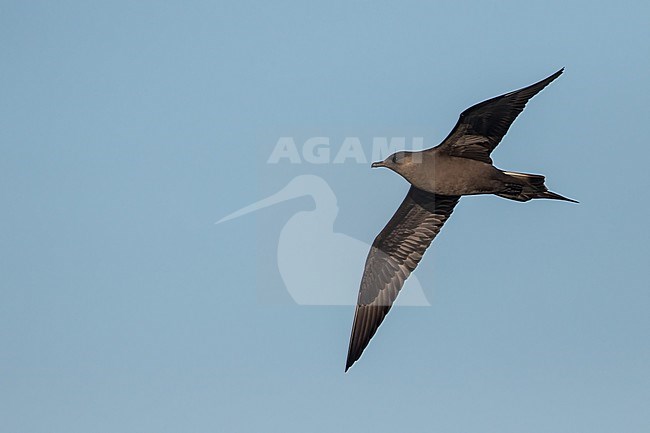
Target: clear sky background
128, 128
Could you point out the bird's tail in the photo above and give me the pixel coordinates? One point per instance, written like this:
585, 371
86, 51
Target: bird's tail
524, 187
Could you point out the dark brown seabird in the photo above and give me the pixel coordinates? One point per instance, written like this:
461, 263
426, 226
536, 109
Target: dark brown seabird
460, 165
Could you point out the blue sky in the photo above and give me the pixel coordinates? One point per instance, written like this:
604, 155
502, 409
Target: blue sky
129, 128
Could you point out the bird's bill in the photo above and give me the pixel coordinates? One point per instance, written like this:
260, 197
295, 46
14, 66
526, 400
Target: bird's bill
378, 164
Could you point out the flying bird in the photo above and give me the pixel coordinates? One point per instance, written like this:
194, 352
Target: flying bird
460, 165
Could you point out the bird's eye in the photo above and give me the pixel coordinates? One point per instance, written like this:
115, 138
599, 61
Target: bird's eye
398, 158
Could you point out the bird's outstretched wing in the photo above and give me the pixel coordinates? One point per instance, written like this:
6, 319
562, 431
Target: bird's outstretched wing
481, 127
394, 254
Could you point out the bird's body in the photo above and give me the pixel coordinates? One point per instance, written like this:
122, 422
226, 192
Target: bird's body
439, 173
460, 165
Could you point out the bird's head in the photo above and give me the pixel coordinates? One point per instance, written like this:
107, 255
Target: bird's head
402, 163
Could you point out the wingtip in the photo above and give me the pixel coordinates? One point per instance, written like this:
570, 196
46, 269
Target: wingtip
348, 363
556, 74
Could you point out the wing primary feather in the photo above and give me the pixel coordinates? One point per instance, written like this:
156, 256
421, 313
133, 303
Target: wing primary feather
481, 127
394, 254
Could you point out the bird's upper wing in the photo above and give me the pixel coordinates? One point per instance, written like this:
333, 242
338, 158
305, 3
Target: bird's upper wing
394, 254
481, 127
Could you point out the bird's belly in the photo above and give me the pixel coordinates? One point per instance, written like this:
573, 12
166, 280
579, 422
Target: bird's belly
461, 177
